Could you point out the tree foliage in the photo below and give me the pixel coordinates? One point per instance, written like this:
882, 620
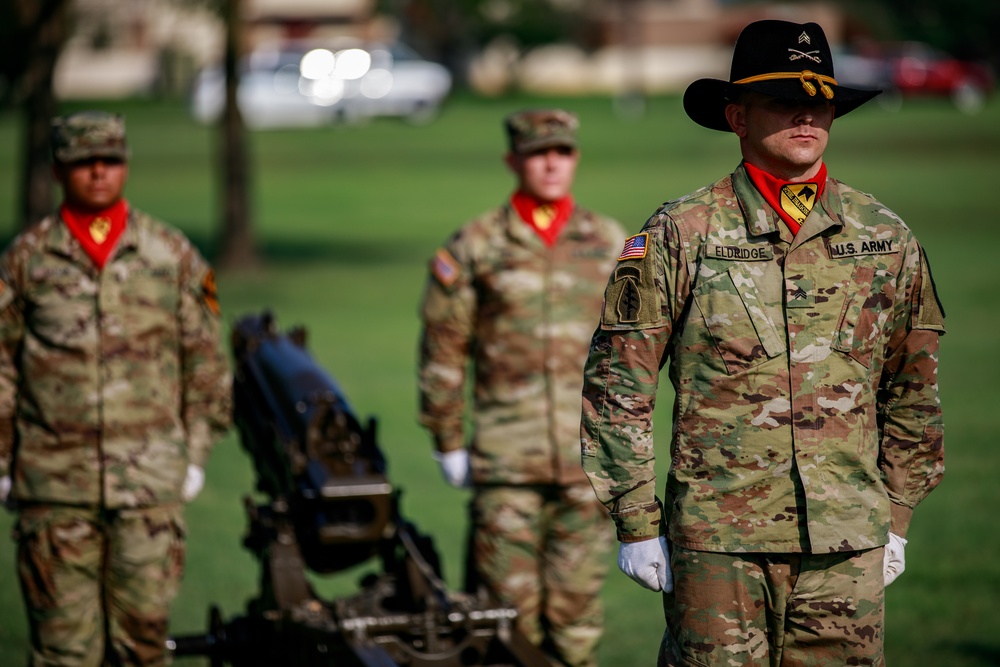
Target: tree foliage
964, 28
452, 30
32, 34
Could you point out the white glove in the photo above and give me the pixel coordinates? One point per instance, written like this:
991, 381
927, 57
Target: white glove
192, 483
4, 488
648, 563
455, 467
894, 561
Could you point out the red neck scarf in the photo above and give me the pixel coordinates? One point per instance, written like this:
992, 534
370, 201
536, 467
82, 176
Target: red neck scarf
97, 233
791, 201
546, 218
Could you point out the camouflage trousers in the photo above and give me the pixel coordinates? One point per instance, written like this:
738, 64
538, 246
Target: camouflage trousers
544, 550
98, 584
756, 610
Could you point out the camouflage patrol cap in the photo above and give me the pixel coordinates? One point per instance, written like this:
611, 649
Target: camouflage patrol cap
535, 129
88, 134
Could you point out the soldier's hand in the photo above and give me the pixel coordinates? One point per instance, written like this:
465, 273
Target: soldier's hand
648, 563
455, 467
193, 483
4, 489
894, 560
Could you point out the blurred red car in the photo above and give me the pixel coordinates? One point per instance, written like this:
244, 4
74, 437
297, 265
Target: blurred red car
914, 69
917, 69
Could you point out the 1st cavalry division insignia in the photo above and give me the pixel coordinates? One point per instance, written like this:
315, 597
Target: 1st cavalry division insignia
99, 229
797, 200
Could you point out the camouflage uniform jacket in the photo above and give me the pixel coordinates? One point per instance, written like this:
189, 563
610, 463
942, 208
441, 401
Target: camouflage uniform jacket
523, 312
111, 381
806, 414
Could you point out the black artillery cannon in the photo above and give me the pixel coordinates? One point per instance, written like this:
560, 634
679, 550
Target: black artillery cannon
331, 507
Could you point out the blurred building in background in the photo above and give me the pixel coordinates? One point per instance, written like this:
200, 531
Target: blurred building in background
156, 46
134, 47
649, 46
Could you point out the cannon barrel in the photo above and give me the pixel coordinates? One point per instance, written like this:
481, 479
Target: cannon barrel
330, 506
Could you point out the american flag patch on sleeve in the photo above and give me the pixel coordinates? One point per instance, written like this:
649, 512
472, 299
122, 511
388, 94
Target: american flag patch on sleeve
635, 247
445, 268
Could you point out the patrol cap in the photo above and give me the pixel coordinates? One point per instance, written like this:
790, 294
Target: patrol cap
790, 61
535, 129
87, 134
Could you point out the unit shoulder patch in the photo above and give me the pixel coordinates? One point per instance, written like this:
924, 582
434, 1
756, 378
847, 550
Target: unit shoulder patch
631, 300
210, 293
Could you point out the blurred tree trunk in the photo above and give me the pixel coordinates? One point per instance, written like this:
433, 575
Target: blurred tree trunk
33, 37
238, 248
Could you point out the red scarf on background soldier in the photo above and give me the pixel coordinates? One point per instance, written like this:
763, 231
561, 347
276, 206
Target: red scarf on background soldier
546, 218
97, 233
791, 201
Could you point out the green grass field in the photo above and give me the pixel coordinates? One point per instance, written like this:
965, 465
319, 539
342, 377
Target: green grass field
347, 217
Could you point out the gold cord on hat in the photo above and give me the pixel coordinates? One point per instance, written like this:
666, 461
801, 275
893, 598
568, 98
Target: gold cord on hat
804, 76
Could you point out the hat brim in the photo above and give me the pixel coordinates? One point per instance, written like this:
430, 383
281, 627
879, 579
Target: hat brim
705, 100
543, 143
70, 155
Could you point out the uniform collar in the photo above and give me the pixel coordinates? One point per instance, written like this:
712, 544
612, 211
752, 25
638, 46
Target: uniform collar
520, 231
60, 239
761, 219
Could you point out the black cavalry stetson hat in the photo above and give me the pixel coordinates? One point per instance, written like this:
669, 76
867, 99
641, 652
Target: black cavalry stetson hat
787, 60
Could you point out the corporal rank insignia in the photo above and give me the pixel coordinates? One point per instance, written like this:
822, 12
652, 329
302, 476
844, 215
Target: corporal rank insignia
635, 247
445, 268
797, 200
630, 298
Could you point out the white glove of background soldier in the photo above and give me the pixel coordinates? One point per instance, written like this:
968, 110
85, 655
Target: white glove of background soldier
894, 561
4, 488
648, 563
455, 467
192, 483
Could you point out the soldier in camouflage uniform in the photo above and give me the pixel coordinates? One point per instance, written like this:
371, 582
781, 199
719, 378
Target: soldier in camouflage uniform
517, 291
800, 325
113, 388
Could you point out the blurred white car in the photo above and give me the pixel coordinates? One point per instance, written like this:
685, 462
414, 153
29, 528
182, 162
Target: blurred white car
299, 84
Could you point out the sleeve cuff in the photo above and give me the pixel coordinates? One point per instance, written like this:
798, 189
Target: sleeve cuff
637, 524
900, 516
448, 442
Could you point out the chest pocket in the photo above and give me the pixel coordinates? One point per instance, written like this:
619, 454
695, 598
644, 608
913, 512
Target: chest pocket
867, 308
152, 288
508, 283
739, 326
60, 307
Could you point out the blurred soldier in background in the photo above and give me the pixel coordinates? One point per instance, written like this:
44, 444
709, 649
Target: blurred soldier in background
801, 325
113, 388
517, 292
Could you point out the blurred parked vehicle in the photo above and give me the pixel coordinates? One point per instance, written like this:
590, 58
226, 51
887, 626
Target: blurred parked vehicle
913, 69
301, 84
